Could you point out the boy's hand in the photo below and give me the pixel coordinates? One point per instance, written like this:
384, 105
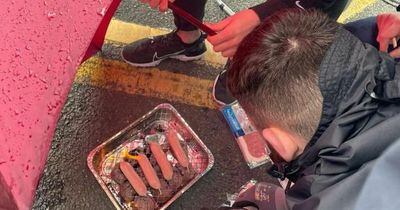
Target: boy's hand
232, 30
161, 4
389, 30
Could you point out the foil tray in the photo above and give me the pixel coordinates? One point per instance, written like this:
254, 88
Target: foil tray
102, 159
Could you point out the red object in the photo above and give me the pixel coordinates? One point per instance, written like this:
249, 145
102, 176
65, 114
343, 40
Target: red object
98, 38
188, 17
43, 43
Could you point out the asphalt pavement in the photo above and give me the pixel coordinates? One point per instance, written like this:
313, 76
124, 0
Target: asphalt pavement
95, 111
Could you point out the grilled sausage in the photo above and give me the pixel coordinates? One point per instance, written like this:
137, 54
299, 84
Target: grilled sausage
133, 178
179, 154
149, 172
162, 160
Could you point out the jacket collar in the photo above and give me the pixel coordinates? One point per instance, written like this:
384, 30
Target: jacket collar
337, 72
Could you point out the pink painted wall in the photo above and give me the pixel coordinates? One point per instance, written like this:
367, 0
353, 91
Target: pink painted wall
42, 44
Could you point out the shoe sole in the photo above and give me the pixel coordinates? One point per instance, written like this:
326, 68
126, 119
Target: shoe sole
213, 91
183, 58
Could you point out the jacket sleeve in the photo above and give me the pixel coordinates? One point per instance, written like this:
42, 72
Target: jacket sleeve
332, 7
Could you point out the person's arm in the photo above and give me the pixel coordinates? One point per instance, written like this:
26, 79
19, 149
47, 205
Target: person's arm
332, 7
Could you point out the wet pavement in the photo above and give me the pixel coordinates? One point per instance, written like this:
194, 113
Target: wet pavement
91, 116
95, 111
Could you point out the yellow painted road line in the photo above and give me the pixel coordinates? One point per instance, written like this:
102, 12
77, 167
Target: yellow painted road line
355, 7
119, 76
123, 32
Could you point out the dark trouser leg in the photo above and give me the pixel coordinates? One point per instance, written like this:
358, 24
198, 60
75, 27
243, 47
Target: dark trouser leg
365, 29
334, 8
195, 8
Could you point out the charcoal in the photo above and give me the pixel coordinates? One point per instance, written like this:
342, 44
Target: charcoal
141, 175
143, 203
153, 161
127, 192
187, 173
117, 175
164, 194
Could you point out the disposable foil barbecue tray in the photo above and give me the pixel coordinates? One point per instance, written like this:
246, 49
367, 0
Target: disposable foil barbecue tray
150, 127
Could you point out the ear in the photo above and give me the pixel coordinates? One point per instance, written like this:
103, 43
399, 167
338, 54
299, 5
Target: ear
282, 142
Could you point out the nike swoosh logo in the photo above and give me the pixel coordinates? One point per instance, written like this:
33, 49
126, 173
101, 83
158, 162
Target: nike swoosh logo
155, 56
299, 5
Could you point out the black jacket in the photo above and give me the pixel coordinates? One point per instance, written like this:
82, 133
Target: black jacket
360, 119
332, 7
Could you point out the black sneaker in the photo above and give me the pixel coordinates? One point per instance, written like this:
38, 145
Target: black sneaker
151, 51
220, 92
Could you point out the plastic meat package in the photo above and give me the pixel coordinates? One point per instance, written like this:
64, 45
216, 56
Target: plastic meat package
254, 149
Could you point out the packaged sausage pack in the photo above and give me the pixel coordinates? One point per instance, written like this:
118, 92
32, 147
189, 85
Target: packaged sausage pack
252, 145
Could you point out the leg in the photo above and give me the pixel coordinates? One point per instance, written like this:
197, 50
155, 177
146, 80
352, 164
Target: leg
365, 29
186, 31
336, 8
195, 8
185, 43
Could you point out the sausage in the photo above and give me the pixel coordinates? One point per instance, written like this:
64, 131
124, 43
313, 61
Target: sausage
133, 178
176, 146
162, 160
149, 172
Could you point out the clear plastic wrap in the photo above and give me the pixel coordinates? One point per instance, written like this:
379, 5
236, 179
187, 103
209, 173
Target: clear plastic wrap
252, 145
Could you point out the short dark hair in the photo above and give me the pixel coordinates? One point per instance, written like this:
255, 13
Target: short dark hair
275, 71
